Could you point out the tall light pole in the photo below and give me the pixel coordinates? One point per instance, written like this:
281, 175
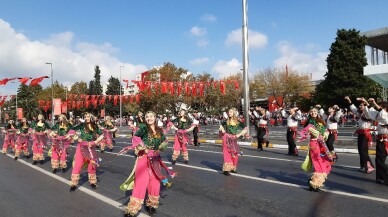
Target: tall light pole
52, 94
245, 64
121, 108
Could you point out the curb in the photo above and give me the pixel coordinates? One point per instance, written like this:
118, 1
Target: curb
254, 144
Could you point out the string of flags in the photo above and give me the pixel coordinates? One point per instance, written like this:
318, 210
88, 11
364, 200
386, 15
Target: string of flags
34, 81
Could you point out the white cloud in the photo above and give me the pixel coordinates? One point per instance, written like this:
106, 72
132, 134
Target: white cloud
202, 43
199, 61
226, 68
308, 61
21, 56
208, 18
255, 39
198, 31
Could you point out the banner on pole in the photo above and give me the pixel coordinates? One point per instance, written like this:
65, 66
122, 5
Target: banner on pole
57, 106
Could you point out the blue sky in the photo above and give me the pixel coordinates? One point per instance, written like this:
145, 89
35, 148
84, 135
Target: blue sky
198, 35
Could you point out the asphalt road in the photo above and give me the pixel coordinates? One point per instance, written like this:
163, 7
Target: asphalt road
268, 183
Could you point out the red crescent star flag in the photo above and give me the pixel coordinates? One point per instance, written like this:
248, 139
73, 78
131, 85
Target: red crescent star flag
36, 81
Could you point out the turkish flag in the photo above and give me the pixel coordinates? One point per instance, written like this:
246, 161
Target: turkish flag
126, 81
64, 107
187, 88
131, 99
24, 80
194, 88
137, 98
5, 81
36, 81
201, 88
214, 84
20, 113
164, 87
115, 100
222, 87
236, 84
171, 87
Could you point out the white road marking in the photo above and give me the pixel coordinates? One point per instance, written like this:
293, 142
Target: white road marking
83, 189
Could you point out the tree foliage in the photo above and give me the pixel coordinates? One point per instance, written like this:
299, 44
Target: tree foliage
345, 65
112, 89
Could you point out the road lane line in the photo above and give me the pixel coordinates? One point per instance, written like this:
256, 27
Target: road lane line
83, 189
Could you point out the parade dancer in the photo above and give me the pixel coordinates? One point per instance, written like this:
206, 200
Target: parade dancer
85, 151
146, 175
40, 130
364, 140
333, 118
262, 116
195, 117
381, 116
10, 136
293, 116
229, 129
319, 155
22, 138
60, 143
108, 129
182, 138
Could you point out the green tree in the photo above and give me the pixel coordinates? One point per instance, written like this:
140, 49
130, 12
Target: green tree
27, 99
112, 89
78, 89
345, 71
95, 88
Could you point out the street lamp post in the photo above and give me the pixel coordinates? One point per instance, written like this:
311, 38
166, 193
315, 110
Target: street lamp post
121, 108
52, 94
245, 65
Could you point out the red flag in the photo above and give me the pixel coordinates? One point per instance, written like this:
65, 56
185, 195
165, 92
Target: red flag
87, 103
36, 81
201, 88
20, 113
41, 103
24, 80
126, 81
208, 83
57, 106
115, 100
5, 81
222, 87
126, 98
236, 84
137, 98
64, 107
214, 84
171, 87
194, 88
3, 101
148, 87
187, 88
164, 87
131, 99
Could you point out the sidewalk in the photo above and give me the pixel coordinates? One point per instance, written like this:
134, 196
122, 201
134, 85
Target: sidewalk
276, 144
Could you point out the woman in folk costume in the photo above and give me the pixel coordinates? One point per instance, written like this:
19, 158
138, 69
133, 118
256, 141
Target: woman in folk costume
10, 136
364, 140
182, 138
146, 175
40, 130
85, 152
108, 128
231, 130
381, 116
318, 155
293, 116
332, 120
262, 116
60, 143
23, 138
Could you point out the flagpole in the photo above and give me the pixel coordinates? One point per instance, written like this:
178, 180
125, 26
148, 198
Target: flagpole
52, 94
245, 66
